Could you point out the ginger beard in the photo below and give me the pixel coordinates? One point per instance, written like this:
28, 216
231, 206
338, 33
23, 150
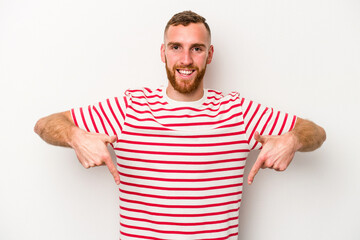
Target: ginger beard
182, 85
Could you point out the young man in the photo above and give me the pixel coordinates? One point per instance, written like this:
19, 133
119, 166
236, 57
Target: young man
181, 150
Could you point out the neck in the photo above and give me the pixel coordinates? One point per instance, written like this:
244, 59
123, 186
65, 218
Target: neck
185, 97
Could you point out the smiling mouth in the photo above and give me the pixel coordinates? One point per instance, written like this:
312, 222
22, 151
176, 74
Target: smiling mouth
185, 72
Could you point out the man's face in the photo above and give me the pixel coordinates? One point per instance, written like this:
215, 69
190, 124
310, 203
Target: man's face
186, 52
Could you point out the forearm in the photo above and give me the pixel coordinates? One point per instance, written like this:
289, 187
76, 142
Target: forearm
56, 129
309, 135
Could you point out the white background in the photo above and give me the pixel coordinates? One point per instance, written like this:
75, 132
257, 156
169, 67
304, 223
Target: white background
299, 56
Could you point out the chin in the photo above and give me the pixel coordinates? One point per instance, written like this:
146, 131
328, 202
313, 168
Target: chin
186, 86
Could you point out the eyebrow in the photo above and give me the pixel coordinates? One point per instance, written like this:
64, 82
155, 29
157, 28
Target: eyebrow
192, 45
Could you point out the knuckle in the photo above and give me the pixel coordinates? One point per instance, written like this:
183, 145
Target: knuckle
98, 162
282, 168
85, 164
104, 157
268, 164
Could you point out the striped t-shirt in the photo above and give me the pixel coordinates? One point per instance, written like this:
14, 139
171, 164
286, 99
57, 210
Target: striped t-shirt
181, 164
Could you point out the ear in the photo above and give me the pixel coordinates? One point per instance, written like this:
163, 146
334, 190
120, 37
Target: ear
210, 54
162, 52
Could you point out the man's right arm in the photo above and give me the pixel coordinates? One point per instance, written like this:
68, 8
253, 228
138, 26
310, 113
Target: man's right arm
56, 129
91, 148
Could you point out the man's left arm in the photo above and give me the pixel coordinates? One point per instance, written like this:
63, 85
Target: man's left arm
278, 151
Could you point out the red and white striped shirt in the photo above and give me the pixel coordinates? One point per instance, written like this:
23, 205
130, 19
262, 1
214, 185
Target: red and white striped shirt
181, 164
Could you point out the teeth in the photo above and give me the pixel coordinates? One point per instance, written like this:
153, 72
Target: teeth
185, 72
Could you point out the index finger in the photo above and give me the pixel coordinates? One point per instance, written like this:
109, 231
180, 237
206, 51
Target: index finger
254, 170
109, 163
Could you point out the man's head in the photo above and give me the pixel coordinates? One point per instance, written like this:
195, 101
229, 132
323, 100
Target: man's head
185, 18
186, 51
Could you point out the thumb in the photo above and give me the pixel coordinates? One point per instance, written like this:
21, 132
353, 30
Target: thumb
110, 139
258, 137
113, 139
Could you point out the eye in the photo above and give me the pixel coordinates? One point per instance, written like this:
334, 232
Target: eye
197, 49
175, 47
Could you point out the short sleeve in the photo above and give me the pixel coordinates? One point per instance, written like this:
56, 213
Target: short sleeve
105, 117
265, 120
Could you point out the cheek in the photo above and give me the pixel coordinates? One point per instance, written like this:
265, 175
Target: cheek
201, 60
171, 61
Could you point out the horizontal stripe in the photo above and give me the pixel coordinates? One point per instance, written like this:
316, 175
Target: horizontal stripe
184, 136
147, 127
219, 103
140, 236
182, 144
180, 206
180, 215
180, 232
185, 115
181, 189
153, 238
183, 153
147, 96
179, 197
236, 124
180, 170
214, 91
185, 124
177, 223
180, 179
150, 104
180, 162
223, 238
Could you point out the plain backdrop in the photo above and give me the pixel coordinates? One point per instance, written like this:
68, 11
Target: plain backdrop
299, 56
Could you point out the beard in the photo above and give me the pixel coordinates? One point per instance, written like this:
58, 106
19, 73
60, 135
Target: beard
185, 86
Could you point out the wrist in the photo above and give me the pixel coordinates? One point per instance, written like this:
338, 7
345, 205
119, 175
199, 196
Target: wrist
295, 140
73, 136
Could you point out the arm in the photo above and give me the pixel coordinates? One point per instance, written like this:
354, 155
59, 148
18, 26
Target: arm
309, 135
278, 151
56, 129
59, 129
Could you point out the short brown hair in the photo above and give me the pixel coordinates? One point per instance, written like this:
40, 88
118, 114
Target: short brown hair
185, 18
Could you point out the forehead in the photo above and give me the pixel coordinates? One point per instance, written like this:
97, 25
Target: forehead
192, 33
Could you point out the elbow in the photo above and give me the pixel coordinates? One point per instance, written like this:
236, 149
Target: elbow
39, 126
323, 134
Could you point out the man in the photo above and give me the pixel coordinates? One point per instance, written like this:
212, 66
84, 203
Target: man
181, 150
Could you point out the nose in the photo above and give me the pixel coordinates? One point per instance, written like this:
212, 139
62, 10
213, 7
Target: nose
186, 58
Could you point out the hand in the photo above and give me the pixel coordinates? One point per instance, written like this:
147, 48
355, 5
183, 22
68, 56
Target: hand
277, 153
91, 150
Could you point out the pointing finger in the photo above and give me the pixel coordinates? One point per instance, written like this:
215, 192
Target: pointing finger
254, 170
109, 163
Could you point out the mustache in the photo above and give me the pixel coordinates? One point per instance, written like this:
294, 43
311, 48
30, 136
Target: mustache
190, 67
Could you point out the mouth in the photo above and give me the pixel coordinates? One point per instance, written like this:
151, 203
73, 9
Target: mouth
185, 73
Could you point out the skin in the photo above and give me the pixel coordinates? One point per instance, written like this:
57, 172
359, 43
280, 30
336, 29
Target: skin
185, 48
278, 151
90, 148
